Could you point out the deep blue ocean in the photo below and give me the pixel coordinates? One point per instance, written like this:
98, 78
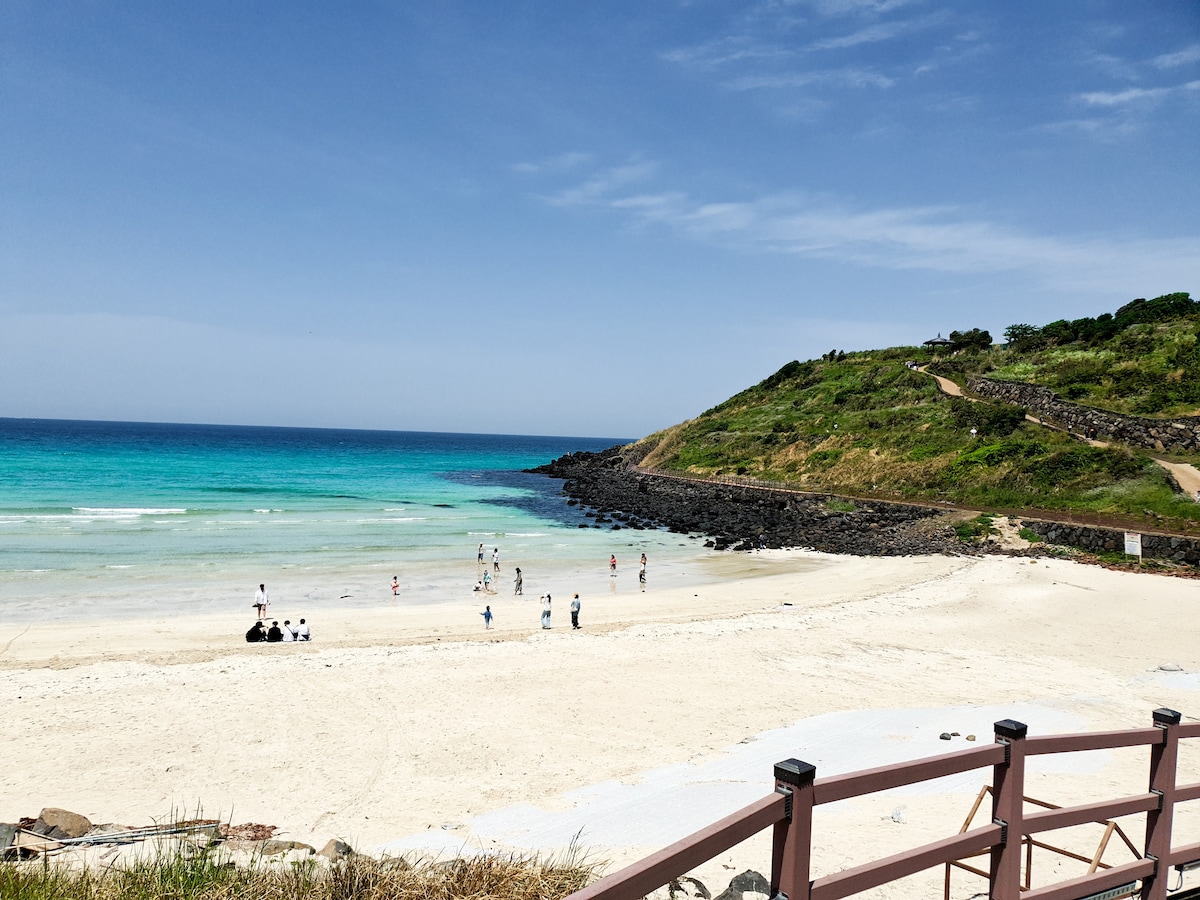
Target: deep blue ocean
103, 519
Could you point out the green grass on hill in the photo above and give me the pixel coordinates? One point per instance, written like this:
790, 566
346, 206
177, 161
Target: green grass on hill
1120, 363
869, 424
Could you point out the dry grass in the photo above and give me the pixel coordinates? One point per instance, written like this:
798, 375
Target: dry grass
209, 876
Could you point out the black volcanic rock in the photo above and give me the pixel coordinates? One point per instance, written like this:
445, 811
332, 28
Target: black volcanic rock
740, 516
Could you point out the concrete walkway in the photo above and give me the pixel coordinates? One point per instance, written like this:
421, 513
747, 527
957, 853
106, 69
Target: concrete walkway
1186, 476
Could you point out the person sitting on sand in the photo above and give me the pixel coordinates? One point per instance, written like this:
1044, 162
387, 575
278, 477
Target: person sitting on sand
288, 634
274, 635
478, 586
302, 632
256, 633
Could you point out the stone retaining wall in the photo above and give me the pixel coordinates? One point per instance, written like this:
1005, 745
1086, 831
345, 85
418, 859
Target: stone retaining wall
1097, 540
1181, 433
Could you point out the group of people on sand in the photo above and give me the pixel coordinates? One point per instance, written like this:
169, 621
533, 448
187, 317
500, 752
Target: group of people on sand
484, 584
276, 634
488, 615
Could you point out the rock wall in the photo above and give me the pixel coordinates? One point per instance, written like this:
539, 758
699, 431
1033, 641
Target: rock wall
739, 516
1154, 434
1097, 540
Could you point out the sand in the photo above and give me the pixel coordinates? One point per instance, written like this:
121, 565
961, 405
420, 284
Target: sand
405, 728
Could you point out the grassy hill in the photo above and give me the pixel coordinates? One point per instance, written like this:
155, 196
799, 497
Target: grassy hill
1142, 360
865, 423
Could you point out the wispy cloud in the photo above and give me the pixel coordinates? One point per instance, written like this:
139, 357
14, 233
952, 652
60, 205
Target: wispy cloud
564, 162
1122, 98
602, 185
1135, 96
1181, 58
934, 238
881, 31
732, 49
855, 78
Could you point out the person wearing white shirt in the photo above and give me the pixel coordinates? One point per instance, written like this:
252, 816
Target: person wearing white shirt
302, 632
288, 634
261, 601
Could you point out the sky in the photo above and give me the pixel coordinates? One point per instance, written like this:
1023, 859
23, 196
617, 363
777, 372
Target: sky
560, 217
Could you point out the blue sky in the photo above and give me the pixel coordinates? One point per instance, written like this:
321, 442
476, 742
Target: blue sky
565, 218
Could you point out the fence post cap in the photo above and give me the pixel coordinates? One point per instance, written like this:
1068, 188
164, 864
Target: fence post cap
1011, 729
795, 772
1164, 716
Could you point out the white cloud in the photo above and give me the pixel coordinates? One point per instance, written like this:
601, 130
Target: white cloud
829, 77
603, 184
873, 34
1122, 98
733, 49
564, 162
1181, 58
931, 238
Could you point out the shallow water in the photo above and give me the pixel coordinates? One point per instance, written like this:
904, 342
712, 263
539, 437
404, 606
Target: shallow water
101, 519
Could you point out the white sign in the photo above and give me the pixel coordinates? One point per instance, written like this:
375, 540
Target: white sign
1133, 544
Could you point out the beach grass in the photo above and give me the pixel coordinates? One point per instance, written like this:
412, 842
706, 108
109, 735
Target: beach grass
210, 875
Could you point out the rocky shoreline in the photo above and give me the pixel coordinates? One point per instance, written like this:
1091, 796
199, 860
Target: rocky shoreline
744, 518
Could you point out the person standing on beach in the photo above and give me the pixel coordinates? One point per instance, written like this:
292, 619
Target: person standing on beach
487, 617
261, 601
575, 612
487, 581
496, 559
545, 610
395, 586
518, 583
480, 552
612, 566
642, 570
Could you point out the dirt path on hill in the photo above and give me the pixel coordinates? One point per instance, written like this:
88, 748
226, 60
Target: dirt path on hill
1185, 475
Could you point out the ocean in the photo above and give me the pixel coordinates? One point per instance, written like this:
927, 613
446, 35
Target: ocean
103, 520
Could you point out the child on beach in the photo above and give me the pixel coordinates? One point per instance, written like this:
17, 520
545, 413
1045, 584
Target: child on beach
612, 566
487, 617
395, 586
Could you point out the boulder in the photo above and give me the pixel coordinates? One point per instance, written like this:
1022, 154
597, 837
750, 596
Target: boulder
274, 847
7, 833
336, 849
60, 823
686, 886
749, 882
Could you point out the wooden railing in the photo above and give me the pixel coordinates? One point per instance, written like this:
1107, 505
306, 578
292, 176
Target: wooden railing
789, 812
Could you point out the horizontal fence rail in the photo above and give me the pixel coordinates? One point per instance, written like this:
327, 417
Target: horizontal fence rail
789, 810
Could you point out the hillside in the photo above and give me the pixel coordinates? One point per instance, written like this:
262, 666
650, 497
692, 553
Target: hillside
1144, 359
865, 423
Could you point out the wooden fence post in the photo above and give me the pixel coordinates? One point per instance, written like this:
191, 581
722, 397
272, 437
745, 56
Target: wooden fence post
1163, 760
792, 844
1008, 808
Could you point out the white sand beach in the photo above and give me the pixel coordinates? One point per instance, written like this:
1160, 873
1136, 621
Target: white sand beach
414, 728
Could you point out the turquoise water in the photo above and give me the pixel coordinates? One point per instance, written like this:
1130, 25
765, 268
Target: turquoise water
101, 519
